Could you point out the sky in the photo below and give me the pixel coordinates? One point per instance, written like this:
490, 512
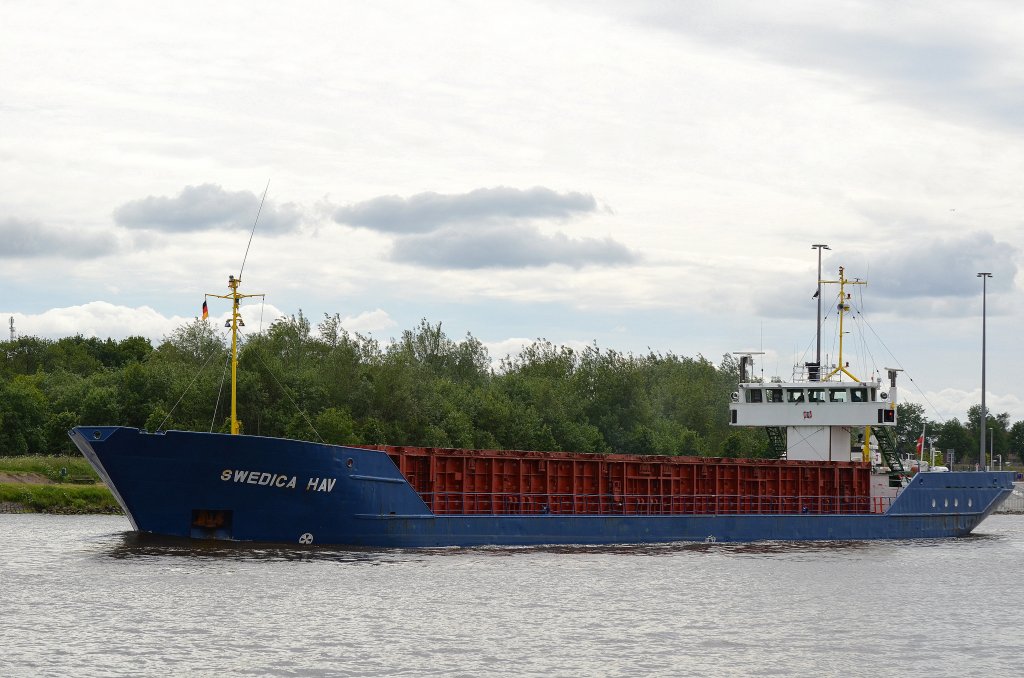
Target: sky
649, 176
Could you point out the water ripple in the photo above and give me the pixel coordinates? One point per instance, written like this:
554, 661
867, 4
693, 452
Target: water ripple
81, 595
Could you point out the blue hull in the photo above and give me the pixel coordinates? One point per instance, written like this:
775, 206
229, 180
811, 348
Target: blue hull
275, 490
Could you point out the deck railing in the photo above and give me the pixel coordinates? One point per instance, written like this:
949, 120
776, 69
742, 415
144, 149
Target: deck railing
501, 503
1015, 502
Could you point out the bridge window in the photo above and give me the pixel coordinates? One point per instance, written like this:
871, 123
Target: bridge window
858, 395
774, 395
753, 395
816, 395
795, 395
837, 395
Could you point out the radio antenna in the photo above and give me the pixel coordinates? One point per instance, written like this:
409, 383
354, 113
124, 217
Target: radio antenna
254, 229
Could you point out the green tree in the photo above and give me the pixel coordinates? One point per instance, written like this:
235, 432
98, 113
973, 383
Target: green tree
997, 433
1016, 441
23, 417
910, 421
422, 388
952, 435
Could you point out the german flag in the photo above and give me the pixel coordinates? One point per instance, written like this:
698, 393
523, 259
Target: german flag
206, 311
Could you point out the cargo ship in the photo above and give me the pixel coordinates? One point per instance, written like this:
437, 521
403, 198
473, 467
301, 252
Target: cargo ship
837, 477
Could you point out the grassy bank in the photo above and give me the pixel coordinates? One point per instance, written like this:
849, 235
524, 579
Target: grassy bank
77, 488
76, 467
19, 497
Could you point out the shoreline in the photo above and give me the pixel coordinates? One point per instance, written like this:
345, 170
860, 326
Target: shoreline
59, 485
57, 499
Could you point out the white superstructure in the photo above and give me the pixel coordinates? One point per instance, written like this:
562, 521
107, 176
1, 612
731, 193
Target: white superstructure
828, 419
823, 420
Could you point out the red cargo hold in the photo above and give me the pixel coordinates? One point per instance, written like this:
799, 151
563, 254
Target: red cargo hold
453, 481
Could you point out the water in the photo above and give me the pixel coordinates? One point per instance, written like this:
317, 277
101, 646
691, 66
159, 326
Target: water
80, 596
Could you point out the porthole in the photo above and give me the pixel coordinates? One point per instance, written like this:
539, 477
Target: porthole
970, 503
945, 503
956, 502
349, 462
933, 503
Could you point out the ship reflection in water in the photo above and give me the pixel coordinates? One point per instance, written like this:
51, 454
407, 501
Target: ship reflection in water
139, 545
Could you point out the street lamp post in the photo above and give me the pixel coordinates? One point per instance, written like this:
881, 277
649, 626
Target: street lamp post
817, 295
984, 417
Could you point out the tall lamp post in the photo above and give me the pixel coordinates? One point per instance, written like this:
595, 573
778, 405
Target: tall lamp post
984, 416
817, 295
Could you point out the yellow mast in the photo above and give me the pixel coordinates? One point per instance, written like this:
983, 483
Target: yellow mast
234, 323
843, 308
841, 365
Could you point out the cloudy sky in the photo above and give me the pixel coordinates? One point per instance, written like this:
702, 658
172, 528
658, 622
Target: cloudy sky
646, 175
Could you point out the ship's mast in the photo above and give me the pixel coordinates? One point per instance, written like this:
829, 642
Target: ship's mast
234, 323
841, 365
843, 308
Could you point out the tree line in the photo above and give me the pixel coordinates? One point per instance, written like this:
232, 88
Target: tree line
422, 388
963, 439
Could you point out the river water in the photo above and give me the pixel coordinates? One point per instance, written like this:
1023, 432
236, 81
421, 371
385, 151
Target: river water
79, 595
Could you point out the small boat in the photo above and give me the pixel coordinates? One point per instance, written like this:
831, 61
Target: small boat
838, 478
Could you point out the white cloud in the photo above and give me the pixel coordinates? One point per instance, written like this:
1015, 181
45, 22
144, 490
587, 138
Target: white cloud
503, 348
485, 228
948, 403
205, 207
103, 319
518, 246
510, 348
376, 320
26, 239
940, 267
950, 59
427, 211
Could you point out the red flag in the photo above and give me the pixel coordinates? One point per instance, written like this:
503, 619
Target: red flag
206, 311
920, 445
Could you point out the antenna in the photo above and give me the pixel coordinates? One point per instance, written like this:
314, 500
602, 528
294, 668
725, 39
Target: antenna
258, 212
817, 295
762, 350
12, 328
